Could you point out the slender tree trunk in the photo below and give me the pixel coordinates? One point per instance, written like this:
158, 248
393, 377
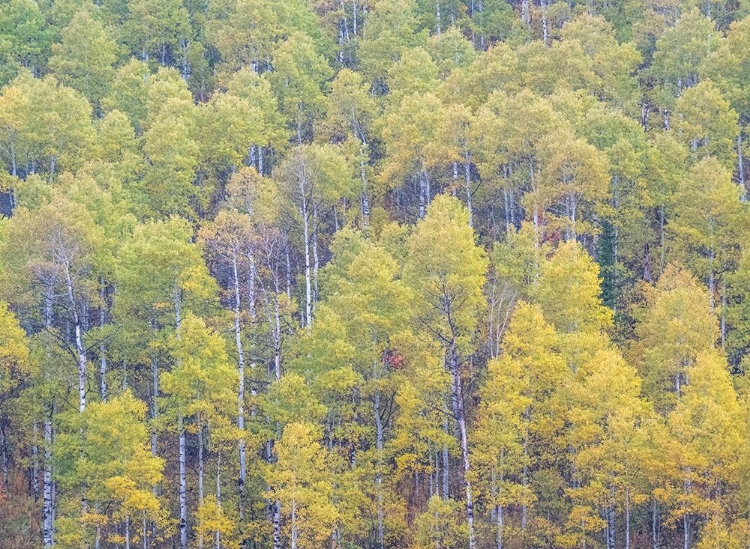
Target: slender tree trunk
316, 259
4, 458
48, 529
525, 476
102, 353
461, 420
654, 525
467, 174
80, 349
276, 519
740, 165
500, 526
288, 267
365, 195
13, 164
610, 527
277, 337
218, 495
627, 518
201, 471
662, 238
446, 463
154, 401
379, 474
723, 318
295, 533
52, 164
423, 200
506, 206
144, 531
308, 276
183, 484
35, 463
241, 388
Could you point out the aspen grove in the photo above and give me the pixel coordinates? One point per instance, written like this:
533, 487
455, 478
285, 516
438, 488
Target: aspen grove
374, 274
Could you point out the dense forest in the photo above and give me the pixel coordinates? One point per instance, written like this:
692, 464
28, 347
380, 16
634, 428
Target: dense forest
374, 274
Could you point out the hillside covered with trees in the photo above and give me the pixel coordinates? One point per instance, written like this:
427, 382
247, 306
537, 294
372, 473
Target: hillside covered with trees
374, 274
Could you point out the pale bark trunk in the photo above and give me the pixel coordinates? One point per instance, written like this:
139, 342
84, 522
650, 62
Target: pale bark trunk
103, 356
422, 194
201, 471
446, 463
741, 166
365, 196
80, 350
241, 388
316, 258
154, 402
627, 518
52, 164
467, 173
525, 476
277, 337
183, 484
288, 268
127, 532
35, 464
308, 275
461, 419
654, 525
13, 163
506, 205
218, 495
4, 459
379, 474
723, 318
295, 533
499, 513
48, 488
662, 238
144, 531
276, 525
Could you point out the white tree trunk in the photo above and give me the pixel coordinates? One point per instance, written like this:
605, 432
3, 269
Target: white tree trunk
627, 518
48, 529
241, 388
379, 474
308, 275
218, 495
295, 533
103, 356
467, 173
201, 471
80, 350
461, 419
276, 519
183, 484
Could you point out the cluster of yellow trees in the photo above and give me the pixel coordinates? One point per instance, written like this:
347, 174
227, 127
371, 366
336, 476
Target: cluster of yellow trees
374, 274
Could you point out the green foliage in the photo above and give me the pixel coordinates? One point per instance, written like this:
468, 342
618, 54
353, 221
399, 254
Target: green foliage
481, 268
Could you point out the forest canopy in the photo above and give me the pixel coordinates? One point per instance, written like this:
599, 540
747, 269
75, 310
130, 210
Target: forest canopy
374, 274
